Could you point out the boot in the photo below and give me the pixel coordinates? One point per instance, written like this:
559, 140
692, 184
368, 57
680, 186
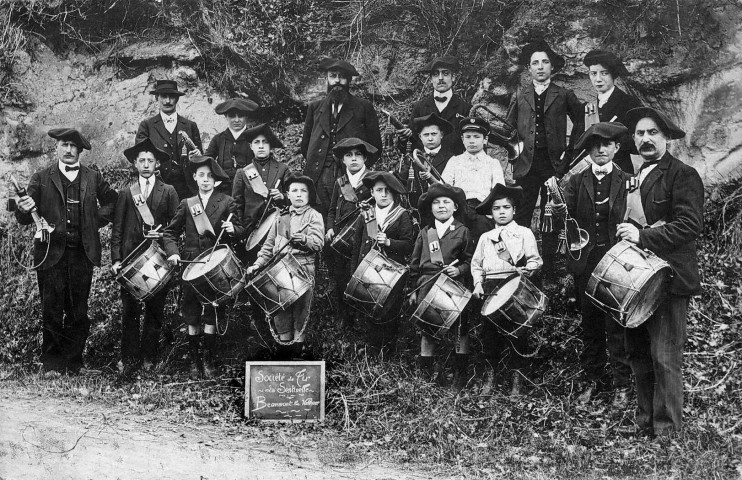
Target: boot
425, 367
461, 371
515, 384
210, 370
489, 381
194, 357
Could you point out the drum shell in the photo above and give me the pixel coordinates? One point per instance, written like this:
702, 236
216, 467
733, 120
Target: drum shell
221, 283
629, 295
342, 243
519, 311
279, 284
147, 257
442, 305
375, 284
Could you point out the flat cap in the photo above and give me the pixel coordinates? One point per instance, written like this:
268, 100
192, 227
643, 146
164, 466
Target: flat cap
446, 61
72, 135
327, 64
604, 130
241, 105
608, 60
145, 145
557, 61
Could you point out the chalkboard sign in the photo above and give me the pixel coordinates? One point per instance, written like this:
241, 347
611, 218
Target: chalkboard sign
285, 391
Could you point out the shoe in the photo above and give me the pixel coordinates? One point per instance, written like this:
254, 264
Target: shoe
194, 357
621, 398
425, 368
209, 364
461, 372
515, 384
489, 382
589, 390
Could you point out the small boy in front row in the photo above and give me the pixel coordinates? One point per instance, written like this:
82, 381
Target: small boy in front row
504, 250
303, 228
438, 245
201, 217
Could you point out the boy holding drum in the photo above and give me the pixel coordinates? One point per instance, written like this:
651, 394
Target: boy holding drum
441, 243
201, 217
508, 249
148, 203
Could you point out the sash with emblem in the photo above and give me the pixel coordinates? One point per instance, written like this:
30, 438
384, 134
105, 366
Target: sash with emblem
202, 222
141, 203
256, 182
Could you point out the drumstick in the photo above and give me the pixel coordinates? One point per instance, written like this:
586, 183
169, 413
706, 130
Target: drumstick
283, 247
433, 277
218, 238
191, 261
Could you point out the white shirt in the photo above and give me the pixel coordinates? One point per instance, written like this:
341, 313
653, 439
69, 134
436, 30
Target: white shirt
608, 167
442, 105
645, 171
71, 176
170, 121
541, 87
441, 228
205, 197
355, 179
603, 97
381, 213
143, 182
475, 174
237, 133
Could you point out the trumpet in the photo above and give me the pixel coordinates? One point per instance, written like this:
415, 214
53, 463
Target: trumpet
418, 158
572, 235
502, 133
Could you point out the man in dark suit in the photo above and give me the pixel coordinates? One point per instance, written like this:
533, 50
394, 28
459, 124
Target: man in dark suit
162, 129
144, 207
611, 101
667, 218
443, 102
339, 115
596, 199
77, 201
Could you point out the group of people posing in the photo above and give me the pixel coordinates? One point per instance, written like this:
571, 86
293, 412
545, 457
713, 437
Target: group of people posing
447, 212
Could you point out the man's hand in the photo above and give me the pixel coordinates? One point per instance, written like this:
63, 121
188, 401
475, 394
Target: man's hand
405, 133
478, 291
628, 232
330, 235
153, 235
452, 271
116, 267
174, 260
425, 175
559, 208
194, 153
275, 194
26, 204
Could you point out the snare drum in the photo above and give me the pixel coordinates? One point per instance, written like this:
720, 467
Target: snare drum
279, 284
513, 304
343, 241
219, 279
376, 284
441, 307
145, 271
629, 283
257, 236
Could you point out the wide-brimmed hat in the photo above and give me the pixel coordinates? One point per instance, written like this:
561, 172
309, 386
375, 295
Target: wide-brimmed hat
72, 135
346, 144
608, 60
446, 61
327, 64
603, 130
263, 129
557, 61
166, 86
419, 123
475, 124
500, 191
671, 131
388, 178
240, 105
217, 171
424, 204
298, 178
145, 145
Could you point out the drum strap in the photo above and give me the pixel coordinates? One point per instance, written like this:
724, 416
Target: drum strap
202, 222
634, 207
256, 182
349, 193
369, 216
141, 203
283, 231
502, 250
392, 217
434, 246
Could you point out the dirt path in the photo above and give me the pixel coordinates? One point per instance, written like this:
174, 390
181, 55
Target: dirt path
51, 438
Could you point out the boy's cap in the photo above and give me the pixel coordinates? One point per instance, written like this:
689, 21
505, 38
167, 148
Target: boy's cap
71, 135
263, 129
239, 105
419, 123
500, 191
607, 59
346, 144
298, 178
145, 145
557, 61
197, 161
475, 124
424, 204
388, 178
604, 130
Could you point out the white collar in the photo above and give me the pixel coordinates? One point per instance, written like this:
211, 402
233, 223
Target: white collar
435, 150
608, 167
71, 176
603, 97
382, 213
205, 196
355, 179
236, 133
448, 94
165, 117
442, 227
541, 87
143, 181
510, 227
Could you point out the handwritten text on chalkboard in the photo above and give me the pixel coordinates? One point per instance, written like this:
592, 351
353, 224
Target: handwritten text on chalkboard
285, 390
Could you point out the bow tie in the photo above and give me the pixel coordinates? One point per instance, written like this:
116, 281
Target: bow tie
440, 99
648, 164
169, 120
600, 171
71, 169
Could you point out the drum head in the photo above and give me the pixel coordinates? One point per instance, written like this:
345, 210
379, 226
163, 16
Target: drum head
497, 299
258, 235
196, 270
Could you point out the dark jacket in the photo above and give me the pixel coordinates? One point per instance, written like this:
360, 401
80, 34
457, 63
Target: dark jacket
217, 210
617, 105
251, 205
97, 204
401, 236
172, 172
560, 103
222, 148
673, 192
127, 232
457, 105
579, 194
341, 208
455, 244
357, 119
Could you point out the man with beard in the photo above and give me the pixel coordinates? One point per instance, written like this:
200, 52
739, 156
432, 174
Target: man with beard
162, 130
339, 115
666, 213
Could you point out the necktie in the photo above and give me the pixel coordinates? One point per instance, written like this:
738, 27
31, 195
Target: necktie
71, 169
440, 99
648, 164
145, 193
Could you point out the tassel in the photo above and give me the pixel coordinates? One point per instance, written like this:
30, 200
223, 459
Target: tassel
390, 135
547, 221
562, 245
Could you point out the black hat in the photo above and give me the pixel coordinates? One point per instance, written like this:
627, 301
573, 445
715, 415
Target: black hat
327, 64
557, 61
197, 161
263, 129
72, 135
671, 131
350, 143
241, 105
298, 178
607, 59
145, 145
388, 178
447, 61
433, 119
604, 130
476, 124
500, 191
424, 204
166, 86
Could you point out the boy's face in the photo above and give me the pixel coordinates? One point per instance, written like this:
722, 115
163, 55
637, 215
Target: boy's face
146, 164
601, 78
381, 193
473, 141
503, 211
431, 136
260, 147
354, 159
237, 120
298, 194
204, 179
603, 151
443, 208
442, 79
540, 66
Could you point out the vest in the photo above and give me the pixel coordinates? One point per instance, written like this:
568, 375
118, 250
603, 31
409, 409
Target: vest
602, 189
73, 207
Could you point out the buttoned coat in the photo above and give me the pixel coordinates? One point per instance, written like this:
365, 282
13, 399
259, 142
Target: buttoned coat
579, 194
221, 148
127, 232
456, 106
401, 234
456, 244
250, 204
673, 192
558, 105
97, 202
341, 209
618, 104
